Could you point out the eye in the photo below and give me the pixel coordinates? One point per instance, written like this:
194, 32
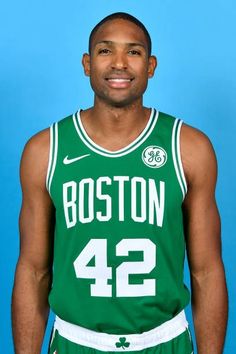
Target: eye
104, 51
134, 52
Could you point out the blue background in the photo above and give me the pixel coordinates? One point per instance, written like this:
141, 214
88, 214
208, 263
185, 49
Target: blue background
41, 81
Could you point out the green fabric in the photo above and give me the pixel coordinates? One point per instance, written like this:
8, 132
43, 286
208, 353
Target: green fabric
182, 344
87, 195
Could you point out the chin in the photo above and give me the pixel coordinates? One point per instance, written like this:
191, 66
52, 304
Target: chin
122, 103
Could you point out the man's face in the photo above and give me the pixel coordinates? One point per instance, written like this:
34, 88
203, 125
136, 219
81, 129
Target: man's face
119, 65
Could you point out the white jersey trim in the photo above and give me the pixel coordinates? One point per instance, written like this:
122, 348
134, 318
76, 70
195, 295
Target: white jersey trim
50, 157
112, 342
177, 157
124, 151
53, 151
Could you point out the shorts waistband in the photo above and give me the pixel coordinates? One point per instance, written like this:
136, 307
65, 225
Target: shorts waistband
120, 342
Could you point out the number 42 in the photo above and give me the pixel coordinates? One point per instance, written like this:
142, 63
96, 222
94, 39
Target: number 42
102, 273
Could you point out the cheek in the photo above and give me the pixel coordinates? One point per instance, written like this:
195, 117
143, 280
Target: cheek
100, 63
95, 74
139, 66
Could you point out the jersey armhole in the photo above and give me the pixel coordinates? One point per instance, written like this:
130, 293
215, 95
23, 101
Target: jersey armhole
177, 156
52, 155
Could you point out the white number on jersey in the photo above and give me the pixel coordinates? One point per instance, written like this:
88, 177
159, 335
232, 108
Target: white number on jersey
97, 248
123, 288
100, 272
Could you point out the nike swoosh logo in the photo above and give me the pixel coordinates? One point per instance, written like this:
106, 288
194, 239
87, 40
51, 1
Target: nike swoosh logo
67, 161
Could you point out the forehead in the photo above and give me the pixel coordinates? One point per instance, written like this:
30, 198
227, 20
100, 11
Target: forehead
120, 31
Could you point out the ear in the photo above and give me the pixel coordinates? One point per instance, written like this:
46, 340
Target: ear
152, 64
86, 64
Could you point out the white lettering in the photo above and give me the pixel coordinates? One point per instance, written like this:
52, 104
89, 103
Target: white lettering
142, 199
70, 188
156, 205
90, 199
121, 180
104, 197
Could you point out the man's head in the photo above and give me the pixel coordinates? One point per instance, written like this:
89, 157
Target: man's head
119, 63
123, 16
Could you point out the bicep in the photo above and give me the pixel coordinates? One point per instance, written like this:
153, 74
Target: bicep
201, 216
37, 212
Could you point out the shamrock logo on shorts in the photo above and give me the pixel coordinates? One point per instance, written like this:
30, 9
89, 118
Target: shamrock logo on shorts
122, 343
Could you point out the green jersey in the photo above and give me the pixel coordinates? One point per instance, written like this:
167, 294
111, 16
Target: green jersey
119, 243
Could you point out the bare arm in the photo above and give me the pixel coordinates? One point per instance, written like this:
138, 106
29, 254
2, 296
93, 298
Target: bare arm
33, 273
202, 222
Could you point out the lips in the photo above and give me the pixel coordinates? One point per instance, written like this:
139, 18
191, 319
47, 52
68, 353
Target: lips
119, 82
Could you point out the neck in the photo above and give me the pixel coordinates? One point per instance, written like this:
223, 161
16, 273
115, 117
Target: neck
110, 119
101, 108
115, 126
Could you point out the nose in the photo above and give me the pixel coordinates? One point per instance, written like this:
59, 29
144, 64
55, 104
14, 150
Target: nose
119, 61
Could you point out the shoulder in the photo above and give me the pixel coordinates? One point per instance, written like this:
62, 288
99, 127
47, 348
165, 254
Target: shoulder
35, 157
195, 139
37, 145
197, 152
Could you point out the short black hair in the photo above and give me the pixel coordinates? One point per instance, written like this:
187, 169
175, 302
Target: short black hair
123, 16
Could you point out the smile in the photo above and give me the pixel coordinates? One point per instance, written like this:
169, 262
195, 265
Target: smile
119, 80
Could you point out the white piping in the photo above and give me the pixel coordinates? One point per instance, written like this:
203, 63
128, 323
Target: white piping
50, 157
174, 154
179, 156
108, 153
54, 156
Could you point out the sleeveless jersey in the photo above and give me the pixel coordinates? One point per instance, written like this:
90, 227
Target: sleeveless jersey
119, 244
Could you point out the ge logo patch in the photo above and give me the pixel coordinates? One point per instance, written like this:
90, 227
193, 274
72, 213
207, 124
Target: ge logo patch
154, 156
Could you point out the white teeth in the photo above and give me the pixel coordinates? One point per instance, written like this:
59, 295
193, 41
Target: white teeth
119, 80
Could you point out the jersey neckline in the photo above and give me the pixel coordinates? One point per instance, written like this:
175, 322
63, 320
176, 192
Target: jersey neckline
125, 150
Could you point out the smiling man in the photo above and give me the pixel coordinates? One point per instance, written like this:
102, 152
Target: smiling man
112, 197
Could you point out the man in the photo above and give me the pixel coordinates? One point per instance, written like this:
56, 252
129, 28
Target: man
110, 197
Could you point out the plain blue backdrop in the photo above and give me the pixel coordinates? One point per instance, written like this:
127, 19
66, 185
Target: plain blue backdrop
41, 81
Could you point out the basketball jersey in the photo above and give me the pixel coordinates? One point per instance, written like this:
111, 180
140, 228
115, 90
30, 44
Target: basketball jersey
119, 244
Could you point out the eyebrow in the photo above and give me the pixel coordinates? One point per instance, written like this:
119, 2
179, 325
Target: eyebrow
132, 44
